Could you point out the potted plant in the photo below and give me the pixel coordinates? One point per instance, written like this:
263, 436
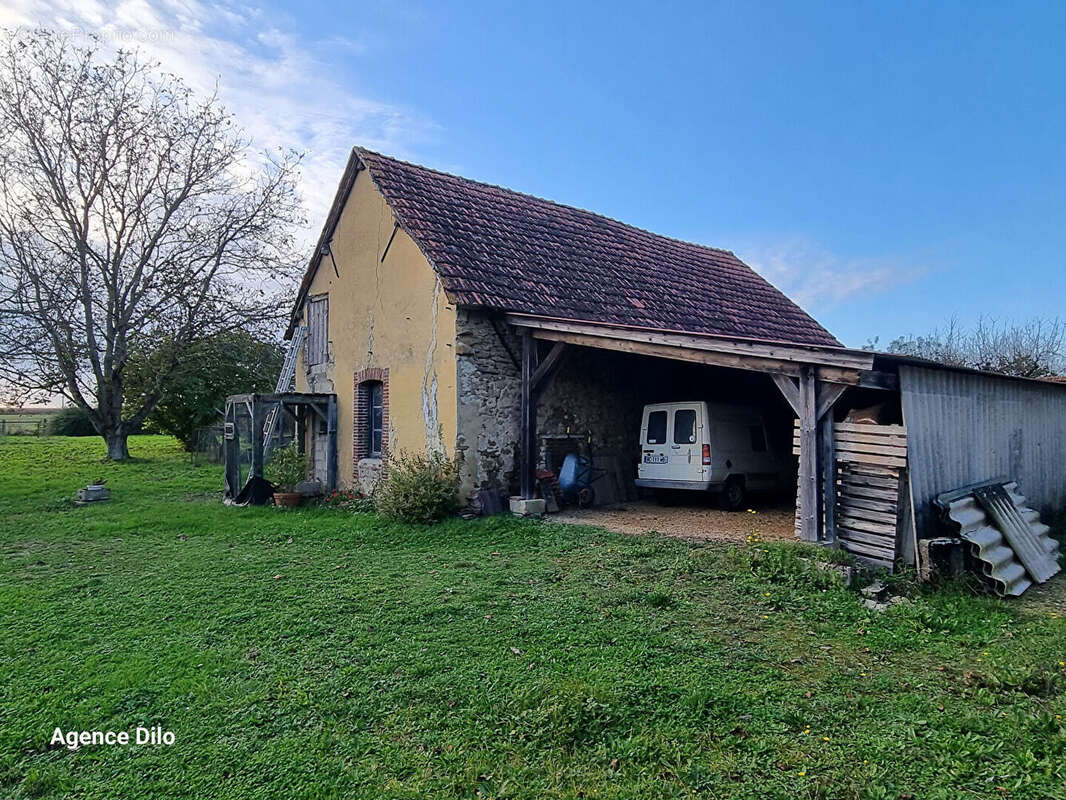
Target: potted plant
287, 469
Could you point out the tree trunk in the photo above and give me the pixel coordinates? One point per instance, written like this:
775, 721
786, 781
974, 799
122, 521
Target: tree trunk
117, 448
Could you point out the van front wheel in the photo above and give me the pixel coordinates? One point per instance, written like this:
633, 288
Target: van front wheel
733, 494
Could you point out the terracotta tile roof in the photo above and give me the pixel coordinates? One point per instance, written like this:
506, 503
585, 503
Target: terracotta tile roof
505, 250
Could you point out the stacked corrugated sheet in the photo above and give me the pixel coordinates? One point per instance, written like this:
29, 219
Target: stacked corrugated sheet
1006, 537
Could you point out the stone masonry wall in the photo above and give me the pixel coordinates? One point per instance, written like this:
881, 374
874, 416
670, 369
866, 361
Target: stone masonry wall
592, 394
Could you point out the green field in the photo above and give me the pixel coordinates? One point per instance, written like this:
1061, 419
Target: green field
25, 421
317, 654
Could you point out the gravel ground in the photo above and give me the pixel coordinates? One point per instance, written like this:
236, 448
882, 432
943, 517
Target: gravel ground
775, 522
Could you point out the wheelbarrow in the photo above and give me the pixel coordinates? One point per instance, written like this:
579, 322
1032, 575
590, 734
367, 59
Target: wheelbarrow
577, 476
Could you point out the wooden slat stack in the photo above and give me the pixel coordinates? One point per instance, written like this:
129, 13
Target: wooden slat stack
871, 463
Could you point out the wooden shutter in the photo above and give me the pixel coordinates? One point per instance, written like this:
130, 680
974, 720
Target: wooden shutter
317, 330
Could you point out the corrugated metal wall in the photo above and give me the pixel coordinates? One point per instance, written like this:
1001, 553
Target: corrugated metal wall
965, 428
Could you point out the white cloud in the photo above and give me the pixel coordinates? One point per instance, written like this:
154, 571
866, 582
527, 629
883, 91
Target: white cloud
281, 92
815, 277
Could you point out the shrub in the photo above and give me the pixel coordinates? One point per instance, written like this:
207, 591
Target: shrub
287, 468
73, 421
350, 500
419, 488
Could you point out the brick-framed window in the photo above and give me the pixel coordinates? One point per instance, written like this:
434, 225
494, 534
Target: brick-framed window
370, 429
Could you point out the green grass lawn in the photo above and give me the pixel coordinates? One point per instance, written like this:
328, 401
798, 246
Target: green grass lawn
25, 422
317, 654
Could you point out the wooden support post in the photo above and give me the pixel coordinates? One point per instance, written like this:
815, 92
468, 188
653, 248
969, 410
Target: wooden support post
301, 430
231, 449
527, 429
331, 444
808, 462
827, 394
257, 437
827, 460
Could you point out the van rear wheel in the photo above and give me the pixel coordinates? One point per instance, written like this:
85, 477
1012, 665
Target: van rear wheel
734, 494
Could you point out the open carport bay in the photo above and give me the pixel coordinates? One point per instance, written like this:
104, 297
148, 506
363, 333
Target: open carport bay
773, 521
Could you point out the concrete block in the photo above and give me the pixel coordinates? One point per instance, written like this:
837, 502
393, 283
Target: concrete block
93, 493
527, 508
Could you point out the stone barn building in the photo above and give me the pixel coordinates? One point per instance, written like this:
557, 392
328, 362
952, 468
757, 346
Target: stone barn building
410, 302
444, 315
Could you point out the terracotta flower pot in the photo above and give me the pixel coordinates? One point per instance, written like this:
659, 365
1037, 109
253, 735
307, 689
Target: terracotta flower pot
288, 499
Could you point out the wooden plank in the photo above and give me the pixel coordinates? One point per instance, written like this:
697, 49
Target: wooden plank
863, 492
864, 458
854, 501
896, 442
875, 554
872, 438
885, 528
871, 539
872, 449
858, 450
867, 514
873, 472
863, 427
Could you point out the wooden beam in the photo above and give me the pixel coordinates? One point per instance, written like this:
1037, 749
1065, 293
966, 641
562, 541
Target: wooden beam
869, 379
808, 462
671, 352
548, 365
785, 351
527, 427
790, 391
828, 394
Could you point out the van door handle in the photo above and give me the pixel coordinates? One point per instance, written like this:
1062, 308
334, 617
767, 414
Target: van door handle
675, 447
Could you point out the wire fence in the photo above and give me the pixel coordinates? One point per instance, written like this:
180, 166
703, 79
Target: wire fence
23, 427
207, 445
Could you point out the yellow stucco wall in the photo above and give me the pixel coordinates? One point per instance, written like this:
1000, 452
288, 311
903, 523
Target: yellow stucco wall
390, 314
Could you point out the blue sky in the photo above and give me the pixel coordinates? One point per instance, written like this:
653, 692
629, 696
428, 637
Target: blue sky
889, 165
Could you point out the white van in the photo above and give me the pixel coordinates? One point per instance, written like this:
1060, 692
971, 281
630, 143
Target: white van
707, 447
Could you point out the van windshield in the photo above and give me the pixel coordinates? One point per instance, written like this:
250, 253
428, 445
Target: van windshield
657, 427
684, 426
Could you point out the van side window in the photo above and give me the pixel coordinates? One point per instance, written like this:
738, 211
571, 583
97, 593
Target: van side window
758, 438
657, 427
684, 426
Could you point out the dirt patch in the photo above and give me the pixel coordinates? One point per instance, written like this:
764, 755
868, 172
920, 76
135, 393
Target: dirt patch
686, 521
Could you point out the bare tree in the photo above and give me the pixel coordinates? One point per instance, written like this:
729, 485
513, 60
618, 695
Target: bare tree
1033, 349
130, 211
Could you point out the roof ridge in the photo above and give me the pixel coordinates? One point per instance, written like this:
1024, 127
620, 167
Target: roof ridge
500, 188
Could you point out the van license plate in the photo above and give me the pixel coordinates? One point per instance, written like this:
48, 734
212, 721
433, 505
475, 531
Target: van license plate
656, 458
